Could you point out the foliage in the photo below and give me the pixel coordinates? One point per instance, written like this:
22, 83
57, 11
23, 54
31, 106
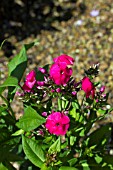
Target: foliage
56, 130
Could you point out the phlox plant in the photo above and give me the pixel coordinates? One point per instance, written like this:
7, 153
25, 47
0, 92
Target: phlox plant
59, 128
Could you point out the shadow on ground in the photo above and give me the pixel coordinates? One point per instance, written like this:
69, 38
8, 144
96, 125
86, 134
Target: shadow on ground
23, 18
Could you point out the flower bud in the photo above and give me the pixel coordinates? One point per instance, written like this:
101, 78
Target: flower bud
44, 114
102, 89
42, 70
40, 83
104, 95
58, 90
52, 90
74, 93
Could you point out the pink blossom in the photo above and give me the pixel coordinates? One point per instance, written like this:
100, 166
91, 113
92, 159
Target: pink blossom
102, 89
58, 90
42, 70
44, 114
60, 74
74, 93
88, 87
30, 81
40, 83
57, 123
67, 60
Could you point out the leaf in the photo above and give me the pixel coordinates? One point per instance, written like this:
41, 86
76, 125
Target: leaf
2, 167
18, 132
8, 165
67, 168
18, 64
10, 81
72, 140
100, 135
2, 89
55, 147
4, 135
33, 151
108, 159
30, 120
17, 67
7, 155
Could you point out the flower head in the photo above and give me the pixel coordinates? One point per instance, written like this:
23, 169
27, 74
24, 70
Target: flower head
57, 123
65, 59
88, 87
60, 74
30, 81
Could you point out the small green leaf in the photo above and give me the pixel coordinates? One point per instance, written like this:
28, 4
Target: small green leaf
98, 159
72, 140
10, 81
55, 147
67, 168
2, 167
18, 64
30, 120
18, 132
33, 151
99, 135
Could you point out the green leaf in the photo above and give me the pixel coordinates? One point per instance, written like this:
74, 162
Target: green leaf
2, 89
7, 155
17, 67
30, 120
2, 167
18, 64
55, 147
4, 135
108, 159
67, 168
8, 165
10, 81
100, 135
98, 159
72, 140
18, 132
33, 151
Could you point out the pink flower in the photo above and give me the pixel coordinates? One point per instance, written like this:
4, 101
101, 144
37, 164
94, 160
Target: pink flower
60, 74
58, 90
67, 60
42, 70
57, 123
30, 81
40, 83
102, 89
88, 87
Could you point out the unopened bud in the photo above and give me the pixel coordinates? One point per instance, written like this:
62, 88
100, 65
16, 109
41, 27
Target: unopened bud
42, 70
102, 89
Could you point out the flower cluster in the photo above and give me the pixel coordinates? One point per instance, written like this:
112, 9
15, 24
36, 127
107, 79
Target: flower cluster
58, 129
59, 82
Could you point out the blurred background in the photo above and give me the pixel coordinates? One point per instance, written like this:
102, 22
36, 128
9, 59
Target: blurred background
82, 29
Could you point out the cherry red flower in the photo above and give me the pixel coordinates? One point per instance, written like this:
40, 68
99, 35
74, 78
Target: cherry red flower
67, 60
88, 87
60, 74
57, 123
30, 81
